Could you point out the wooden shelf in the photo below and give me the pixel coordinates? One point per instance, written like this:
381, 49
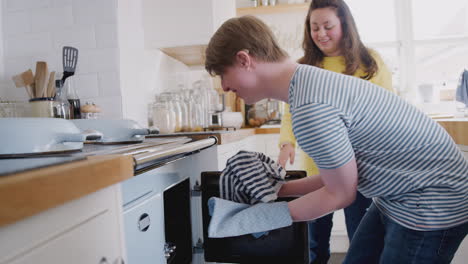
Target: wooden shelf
279, 8
189, 55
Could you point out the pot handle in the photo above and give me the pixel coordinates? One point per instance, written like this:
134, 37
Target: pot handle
153, 131
91, 134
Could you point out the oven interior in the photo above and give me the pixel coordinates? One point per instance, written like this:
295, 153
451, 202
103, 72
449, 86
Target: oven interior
177, 223
284, 245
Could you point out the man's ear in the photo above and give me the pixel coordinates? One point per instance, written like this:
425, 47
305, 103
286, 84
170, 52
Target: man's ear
243, 59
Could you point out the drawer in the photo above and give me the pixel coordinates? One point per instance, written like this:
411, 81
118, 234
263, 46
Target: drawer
91, 242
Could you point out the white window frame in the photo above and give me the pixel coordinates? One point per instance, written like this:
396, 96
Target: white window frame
406, 46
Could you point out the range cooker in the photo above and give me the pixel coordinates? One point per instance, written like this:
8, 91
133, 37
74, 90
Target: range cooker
164, 207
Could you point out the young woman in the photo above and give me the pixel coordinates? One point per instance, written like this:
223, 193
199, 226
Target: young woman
361, 136
332, 42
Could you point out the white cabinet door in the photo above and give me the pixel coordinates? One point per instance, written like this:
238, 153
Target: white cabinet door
176, 23
87, 230
90, 242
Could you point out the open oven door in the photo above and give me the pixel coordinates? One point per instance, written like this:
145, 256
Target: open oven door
284, 245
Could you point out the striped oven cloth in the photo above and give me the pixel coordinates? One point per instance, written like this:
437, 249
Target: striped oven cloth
250, 178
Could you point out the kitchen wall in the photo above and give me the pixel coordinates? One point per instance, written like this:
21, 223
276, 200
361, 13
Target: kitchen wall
1, 47
114, 69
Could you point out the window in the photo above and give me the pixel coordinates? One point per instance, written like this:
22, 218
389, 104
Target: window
424, 43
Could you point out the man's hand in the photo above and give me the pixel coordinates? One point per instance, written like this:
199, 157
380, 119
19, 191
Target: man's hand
287, 152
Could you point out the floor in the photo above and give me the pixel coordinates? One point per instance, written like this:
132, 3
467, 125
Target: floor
336, 258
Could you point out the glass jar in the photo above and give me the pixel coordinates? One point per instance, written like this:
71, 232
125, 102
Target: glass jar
163, 115
195, 110
257, 116
184, 111
201, 97
61, 105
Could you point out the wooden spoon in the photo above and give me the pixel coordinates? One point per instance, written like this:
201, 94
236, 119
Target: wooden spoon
41, 78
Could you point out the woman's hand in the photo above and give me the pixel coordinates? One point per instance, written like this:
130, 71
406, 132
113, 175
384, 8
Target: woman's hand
287, 152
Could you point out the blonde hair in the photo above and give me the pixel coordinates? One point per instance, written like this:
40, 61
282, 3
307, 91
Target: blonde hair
241, 33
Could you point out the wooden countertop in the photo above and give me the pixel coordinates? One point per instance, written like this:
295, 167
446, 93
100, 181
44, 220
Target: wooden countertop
30, 192
457, 129
269, 130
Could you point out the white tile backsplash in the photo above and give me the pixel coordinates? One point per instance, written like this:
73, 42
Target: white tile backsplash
51, 19
28, 44
15, 5
109, 84
106, 36
114, 69
98, 60
81, 37
61, 3
90, 12
86, 85
20, 23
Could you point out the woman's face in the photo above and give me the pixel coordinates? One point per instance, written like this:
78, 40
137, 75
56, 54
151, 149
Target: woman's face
325, 30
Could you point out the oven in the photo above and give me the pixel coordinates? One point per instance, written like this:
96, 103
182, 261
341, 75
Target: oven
166, 219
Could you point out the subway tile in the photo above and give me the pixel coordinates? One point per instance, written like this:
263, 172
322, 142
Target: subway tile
81, 37
28, 45
86, 85
51, 19
106, 36
17, 65
99, 60
109, 84
90, 12
17, 23
61, 3
15, 5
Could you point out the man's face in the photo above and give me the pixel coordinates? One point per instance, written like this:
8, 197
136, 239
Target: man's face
240, 78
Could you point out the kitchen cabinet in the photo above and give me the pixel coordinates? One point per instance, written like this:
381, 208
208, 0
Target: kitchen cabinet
86, 230
182, 28
226, 151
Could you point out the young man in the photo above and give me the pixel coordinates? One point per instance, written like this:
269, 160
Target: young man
361, 137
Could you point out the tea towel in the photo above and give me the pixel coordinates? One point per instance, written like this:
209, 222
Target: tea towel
250, 178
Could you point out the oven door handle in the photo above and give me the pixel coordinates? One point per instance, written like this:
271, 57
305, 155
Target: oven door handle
175, 150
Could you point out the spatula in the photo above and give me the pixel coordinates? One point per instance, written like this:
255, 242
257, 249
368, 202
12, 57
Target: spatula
25, 79
69, 59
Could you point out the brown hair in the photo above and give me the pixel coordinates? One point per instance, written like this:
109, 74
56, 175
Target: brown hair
241, 33
355, 53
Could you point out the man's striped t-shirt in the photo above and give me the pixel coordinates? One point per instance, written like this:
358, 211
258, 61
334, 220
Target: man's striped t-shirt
406, 162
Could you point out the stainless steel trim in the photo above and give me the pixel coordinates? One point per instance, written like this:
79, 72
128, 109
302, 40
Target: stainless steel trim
178, 149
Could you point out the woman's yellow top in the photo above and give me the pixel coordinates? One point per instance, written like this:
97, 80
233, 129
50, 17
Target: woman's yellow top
383, 78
